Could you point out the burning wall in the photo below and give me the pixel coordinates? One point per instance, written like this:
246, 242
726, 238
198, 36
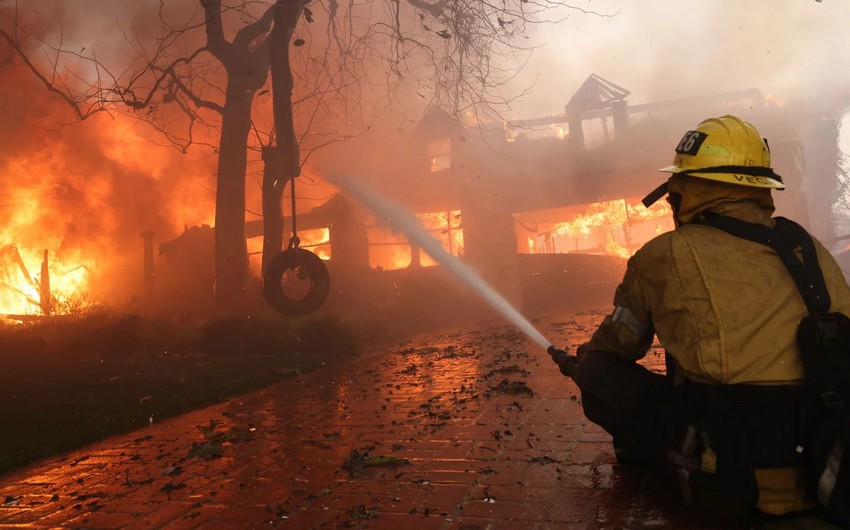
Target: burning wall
84, 192
616, 228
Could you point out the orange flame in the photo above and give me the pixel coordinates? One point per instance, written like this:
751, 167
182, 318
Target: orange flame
317, 241
390, 251
616, 228
84, 194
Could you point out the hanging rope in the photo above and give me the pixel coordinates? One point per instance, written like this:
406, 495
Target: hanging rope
294, 241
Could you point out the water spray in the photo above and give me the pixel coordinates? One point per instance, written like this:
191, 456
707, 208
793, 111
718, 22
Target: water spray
401, 219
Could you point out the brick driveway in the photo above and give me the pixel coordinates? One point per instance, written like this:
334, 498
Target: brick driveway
467, 429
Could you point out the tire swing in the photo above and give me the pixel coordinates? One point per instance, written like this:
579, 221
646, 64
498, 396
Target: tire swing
298, 265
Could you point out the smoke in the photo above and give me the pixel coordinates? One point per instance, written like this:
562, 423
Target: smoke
669, 50
841, 208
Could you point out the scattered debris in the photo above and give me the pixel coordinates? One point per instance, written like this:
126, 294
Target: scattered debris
360, 512
487, 497
172, 471
507, 386
212, 446
12, 501
318, 443
545, 459
359, 461
512, 369
206, 450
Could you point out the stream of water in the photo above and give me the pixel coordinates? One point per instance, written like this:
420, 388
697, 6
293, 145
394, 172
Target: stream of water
402, 220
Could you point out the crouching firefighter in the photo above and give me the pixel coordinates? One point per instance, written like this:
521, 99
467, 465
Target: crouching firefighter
752, 415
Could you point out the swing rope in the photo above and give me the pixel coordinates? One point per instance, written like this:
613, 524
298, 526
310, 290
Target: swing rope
294, 241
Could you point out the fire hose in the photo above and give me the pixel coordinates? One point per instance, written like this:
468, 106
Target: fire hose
566, 363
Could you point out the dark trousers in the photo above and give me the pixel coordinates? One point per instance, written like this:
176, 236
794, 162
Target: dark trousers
630, 402
646, 417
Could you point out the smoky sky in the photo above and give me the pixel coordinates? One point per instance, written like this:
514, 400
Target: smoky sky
667, 49
660, 49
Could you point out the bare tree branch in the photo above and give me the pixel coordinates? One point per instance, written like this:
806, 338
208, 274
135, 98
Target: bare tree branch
74, 103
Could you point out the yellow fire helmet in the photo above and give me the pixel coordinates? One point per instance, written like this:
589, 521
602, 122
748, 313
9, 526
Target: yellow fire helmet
725, 149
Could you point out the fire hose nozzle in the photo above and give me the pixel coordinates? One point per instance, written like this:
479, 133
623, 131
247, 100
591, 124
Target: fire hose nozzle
566, 363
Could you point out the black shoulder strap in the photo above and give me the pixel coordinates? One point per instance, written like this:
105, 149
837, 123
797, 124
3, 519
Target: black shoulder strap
783, 239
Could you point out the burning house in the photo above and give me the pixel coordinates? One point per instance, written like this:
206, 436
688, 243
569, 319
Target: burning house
547, 209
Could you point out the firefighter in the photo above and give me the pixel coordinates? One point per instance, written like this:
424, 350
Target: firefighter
726, 311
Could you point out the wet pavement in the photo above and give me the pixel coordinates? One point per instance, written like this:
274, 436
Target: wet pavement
461, 430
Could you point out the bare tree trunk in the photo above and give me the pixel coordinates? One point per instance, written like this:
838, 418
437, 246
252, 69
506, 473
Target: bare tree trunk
231, 252
283, 161
247, 68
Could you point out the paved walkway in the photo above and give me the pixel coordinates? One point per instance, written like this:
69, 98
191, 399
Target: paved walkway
466, 430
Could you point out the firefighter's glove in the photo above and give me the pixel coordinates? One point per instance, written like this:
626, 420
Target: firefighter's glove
566, 363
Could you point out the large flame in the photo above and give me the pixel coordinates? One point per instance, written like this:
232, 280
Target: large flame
617, 228
81, 196
389, 250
